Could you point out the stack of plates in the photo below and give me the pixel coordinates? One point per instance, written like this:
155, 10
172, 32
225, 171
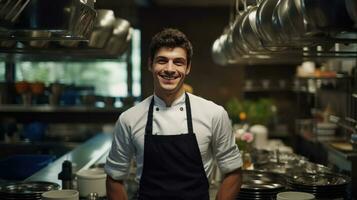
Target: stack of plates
322, 185
260, 185
26, 190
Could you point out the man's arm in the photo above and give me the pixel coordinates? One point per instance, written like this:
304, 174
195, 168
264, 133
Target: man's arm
115, 189
230, 185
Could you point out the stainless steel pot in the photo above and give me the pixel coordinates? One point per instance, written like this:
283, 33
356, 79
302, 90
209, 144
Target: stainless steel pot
266, 28
67, 19
10, 10
217, 53
351, 6
229, 49
249, 31
237, 38
330, 17
121, 37
291, 19
103, 28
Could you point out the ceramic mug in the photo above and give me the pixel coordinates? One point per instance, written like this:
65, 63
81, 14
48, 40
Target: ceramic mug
61, 195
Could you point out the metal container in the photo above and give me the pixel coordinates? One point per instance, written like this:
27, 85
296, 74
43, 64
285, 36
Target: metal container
64, 19
10, 10
121, 37
103, 28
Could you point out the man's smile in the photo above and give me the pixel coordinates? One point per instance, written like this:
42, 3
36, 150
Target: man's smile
168, 77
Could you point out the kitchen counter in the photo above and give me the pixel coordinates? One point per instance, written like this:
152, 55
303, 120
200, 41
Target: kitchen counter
336, 152
82, 157
345, 161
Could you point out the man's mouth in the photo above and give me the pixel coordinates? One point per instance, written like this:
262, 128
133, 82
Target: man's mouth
167, 77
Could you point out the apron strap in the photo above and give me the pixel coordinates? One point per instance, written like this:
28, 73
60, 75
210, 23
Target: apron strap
188, 114
148, 128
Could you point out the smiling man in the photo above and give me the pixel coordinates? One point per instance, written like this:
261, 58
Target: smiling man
175, 137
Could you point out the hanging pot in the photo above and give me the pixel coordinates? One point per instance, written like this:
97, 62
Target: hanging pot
237, 38
267, 30
291, 20
120, 38
217, 53
249, 31
330, 16
351, 6
103, 28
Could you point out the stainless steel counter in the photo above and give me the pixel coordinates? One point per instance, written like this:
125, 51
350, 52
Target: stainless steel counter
344, 160
82, 157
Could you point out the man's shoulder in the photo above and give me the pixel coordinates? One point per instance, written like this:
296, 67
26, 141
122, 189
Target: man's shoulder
137, 110
205, 104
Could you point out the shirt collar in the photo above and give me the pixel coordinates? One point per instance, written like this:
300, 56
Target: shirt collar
160, 103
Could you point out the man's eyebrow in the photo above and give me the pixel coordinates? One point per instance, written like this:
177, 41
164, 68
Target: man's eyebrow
160, 57
180, 58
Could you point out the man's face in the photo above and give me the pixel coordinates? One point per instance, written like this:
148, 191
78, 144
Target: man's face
169, 69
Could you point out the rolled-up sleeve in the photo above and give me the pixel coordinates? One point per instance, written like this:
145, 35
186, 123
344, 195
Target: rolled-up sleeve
224, 147
118, 161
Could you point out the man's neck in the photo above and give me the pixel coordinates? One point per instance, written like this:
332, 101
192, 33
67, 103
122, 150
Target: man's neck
169, 98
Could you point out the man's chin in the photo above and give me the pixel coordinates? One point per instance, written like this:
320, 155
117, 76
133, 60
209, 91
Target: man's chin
169, 89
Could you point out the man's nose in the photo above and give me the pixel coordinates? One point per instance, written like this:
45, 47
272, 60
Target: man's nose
170, 67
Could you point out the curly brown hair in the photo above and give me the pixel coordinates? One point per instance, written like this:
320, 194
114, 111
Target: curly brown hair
171, 38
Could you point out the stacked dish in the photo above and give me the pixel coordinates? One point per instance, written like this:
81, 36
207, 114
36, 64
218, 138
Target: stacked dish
26, 190
260, 185
322, 185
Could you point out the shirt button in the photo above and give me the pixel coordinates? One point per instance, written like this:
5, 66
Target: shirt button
181, 108
157, 109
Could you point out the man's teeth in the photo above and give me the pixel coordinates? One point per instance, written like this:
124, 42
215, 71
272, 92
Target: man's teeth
168, 77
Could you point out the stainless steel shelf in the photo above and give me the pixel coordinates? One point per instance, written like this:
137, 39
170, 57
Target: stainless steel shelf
58, 53
61, 114
51, 109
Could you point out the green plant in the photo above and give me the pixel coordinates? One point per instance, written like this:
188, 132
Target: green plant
257, 112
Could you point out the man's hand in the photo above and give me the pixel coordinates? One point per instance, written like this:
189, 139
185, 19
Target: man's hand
115, 189
230, 185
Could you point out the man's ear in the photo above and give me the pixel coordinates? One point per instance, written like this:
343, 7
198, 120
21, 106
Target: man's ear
188, 69
149, 64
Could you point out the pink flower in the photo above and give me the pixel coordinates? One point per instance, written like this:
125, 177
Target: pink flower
248, 137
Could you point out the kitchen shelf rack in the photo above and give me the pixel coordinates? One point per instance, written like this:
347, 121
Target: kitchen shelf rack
61, 114
58, 53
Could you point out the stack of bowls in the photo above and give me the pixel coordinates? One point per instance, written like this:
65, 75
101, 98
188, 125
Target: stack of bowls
322, 185
260, 185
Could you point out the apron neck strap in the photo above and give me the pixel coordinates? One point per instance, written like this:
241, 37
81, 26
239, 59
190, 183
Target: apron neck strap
148, 128
188, 114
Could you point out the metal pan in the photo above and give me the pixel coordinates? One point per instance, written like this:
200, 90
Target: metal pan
67, 19
351, 6
120, 38
267, 30
236, 31
330, 16
249, 31
217, 54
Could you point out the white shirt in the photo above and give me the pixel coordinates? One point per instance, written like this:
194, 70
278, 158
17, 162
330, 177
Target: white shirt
211, 126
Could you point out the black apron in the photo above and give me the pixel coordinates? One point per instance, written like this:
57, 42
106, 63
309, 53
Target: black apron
173, 168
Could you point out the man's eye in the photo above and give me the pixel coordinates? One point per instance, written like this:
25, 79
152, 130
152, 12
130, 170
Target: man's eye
179, 63
161, 61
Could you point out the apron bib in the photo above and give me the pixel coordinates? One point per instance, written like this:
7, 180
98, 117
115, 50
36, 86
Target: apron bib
173, 168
